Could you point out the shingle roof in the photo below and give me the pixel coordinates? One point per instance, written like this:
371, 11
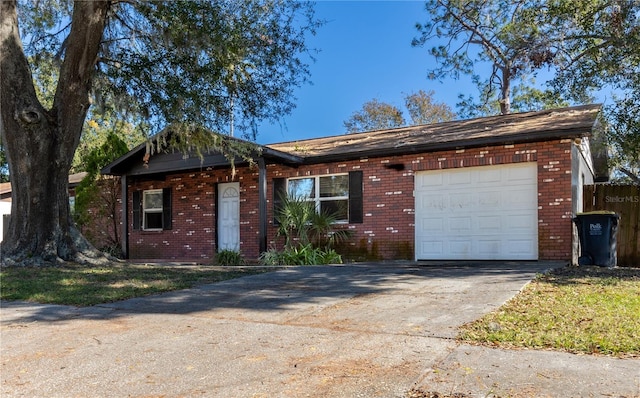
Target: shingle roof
74, 179
552, 124
516, 127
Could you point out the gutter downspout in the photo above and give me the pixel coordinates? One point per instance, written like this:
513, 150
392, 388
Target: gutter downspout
125, 217
262, 205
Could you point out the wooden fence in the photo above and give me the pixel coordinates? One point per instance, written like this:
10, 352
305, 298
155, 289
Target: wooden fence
625, 201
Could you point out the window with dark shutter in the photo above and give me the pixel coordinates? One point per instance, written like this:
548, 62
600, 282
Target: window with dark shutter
166, 209
152, 215
152, 209
355, 197
137, 210
279, 193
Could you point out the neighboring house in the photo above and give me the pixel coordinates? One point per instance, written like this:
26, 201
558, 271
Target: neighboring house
5, 212
493, 188
5, 207
6, 203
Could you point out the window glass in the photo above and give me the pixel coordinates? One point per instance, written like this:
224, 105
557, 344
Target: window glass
330, 194
332, 186
153, 220
302, 188
153, 200
337, 208
152, 209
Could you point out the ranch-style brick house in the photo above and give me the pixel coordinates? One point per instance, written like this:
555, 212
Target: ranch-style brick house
493, 188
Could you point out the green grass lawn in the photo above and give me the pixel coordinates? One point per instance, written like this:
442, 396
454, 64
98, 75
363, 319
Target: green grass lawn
580, 310
84, 286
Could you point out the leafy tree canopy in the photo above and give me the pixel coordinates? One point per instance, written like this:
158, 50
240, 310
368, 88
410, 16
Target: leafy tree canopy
97, 195
201, 62
194, 65
376, 115
588, 46
423, 109
597, 49
504, 36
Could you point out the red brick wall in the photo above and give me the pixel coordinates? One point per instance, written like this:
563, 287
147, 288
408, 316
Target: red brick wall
388, 228
554, 200
193, 196
389, 209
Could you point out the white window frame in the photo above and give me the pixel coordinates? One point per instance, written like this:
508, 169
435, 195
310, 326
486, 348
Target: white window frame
153, 210
318, 199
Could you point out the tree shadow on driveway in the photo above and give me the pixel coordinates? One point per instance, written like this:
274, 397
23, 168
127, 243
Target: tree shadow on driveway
296, 287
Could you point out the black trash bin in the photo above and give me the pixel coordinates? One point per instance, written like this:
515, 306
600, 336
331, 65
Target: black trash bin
597, 232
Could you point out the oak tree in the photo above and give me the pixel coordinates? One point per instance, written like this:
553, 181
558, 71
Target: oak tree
186, 63
424, 109
374, 115
377, 115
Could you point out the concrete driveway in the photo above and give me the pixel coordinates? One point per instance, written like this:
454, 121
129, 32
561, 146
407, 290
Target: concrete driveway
339, 331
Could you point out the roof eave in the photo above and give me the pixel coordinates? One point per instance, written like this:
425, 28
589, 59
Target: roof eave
124, 164
450, 145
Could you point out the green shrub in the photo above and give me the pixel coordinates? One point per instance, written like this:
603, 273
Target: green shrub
301, 224
301, 255
113, 250
309, 235
229, 257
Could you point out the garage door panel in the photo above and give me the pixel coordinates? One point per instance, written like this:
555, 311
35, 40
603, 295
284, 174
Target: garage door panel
432, 248
429, 180
489, 176
490, 224
461, 248
461, 224
460, 201
491, 199
489, 248
519, 247
522, 174
462, 177
486, 213
519, 222
433, 202
434, 225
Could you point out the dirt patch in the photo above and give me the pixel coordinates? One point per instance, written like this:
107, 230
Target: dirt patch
416, 393
597, 272
318, 377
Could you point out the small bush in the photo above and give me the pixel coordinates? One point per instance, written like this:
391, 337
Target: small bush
229, 258
113, 250
301, 255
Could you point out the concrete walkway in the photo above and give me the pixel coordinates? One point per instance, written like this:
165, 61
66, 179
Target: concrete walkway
345, 331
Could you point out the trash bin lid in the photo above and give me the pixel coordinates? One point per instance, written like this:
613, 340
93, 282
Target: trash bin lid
598, 212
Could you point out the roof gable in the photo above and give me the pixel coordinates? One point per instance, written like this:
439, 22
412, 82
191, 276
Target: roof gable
544, 125
138, 162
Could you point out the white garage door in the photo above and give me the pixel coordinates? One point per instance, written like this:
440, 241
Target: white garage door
477, 213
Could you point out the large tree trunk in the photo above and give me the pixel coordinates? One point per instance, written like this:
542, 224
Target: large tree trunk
40, 143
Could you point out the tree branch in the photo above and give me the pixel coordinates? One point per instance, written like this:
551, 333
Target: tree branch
635, 178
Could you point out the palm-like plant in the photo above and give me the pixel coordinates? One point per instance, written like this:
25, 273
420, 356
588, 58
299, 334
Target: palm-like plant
301, 224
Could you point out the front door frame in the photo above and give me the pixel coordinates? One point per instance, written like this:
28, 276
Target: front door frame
228, 193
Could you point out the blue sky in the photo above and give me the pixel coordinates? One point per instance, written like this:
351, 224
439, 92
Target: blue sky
365, 53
